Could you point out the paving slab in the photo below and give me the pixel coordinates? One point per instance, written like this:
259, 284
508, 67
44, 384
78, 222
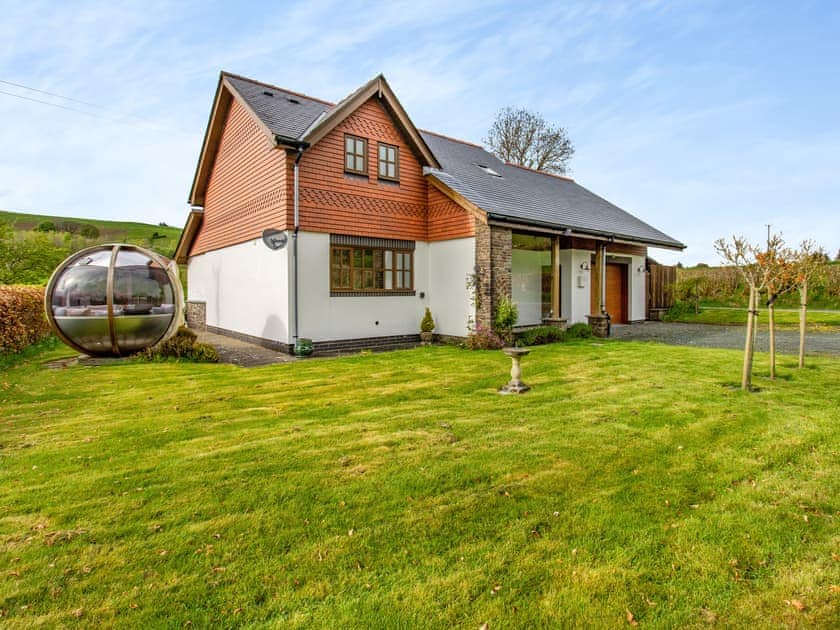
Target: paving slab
242, 353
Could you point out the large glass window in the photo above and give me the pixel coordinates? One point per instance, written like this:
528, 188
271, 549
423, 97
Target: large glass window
371, 269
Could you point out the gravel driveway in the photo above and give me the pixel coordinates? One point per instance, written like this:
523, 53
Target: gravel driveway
711, 336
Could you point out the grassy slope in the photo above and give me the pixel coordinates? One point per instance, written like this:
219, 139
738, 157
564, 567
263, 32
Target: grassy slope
109, 231
399, 490
817, 320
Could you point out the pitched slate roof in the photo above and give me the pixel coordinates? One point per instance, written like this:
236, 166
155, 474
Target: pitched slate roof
286, 114
516, 194
532, 197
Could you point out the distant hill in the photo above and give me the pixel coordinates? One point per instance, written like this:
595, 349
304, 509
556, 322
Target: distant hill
32, 245
160, 238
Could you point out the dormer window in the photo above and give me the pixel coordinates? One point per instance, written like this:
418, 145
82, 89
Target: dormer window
355, 154
389, 162
488, 170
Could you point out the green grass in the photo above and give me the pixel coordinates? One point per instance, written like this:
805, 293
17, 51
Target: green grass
109, 231
817, 320
400, 490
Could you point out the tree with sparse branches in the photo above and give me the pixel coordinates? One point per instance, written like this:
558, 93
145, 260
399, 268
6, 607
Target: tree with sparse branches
777, 266
742, 255
808, 263
525, 138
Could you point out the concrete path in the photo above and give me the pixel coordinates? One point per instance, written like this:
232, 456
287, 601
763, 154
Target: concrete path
712, 336
242, 353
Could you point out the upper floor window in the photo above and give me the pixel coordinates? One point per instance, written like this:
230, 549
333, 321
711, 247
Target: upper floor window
389, 162
355, 154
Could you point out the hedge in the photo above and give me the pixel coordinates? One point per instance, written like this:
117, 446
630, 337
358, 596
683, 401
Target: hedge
22, 319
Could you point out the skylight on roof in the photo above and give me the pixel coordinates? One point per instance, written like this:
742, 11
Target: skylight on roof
487, 170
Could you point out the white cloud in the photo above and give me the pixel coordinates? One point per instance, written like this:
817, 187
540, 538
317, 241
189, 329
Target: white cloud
696, 147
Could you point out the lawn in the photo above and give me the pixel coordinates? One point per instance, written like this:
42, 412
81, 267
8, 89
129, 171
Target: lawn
400, 490
785, 318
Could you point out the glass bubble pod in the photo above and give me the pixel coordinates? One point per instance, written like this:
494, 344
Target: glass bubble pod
113, 300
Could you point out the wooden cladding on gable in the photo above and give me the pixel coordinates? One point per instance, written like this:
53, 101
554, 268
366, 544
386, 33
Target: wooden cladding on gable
339, 203
446, 219
248, 187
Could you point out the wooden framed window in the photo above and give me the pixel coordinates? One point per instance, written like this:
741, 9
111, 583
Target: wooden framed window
370, 271
402, 270
355, 154
389, 162
340, 268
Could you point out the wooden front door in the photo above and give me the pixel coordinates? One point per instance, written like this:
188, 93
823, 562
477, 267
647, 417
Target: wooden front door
617, 292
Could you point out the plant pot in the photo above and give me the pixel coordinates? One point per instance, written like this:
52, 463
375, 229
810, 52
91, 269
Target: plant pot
427, 337
303, 347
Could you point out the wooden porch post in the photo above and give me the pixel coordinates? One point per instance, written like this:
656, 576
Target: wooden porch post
599, 320
598, 307
555, 278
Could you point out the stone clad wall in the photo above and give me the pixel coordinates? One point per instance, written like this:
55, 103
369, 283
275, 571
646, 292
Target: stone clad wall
483, 294
501, 248
493, 247
196, 315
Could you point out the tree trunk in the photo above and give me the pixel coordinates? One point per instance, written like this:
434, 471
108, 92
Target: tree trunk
771, 319
803, 314
746, 374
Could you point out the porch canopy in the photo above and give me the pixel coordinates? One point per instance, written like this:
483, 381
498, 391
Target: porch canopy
551, 217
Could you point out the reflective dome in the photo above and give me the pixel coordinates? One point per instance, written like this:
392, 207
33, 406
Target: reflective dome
112, 300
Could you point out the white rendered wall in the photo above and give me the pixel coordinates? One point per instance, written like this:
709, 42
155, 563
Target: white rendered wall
325, 318
526, 283
637, 297
580, 298
450, 262
245, 288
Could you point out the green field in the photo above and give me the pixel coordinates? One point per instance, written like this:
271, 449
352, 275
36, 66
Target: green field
109, 231
400, 490
724, 286
785, 319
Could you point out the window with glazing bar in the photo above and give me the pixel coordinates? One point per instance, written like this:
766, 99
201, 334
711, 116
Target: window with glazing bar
389, 162
355, 154
366, 269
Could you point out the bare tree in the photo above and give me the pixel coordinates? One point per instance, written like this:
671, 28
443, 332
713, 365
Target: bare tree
526, 138
741, 254
808, 263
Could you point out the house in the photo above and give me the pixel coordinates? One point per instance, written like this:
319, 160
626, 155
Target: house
371, 220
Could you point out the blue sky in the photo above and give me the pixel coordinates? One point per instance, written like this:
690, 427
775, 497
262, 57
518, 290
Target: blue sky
705, 119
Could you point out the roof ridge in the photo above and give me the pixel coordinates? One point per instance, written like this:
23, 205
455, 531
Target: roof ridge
536, 170
276, 87
441, 135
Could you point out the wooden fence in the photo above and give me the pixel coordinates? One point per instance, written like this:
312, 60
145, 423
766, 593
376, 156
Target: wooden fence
660, 289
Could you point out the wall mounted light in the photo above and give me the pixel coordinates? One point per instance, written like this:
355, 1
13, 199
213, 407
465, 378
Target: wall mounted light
641, 269
584, 266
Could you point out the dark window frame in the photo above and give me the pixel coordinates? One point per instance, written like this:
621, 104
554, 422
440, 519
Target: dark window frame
346, 284
356, 155
380, 162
